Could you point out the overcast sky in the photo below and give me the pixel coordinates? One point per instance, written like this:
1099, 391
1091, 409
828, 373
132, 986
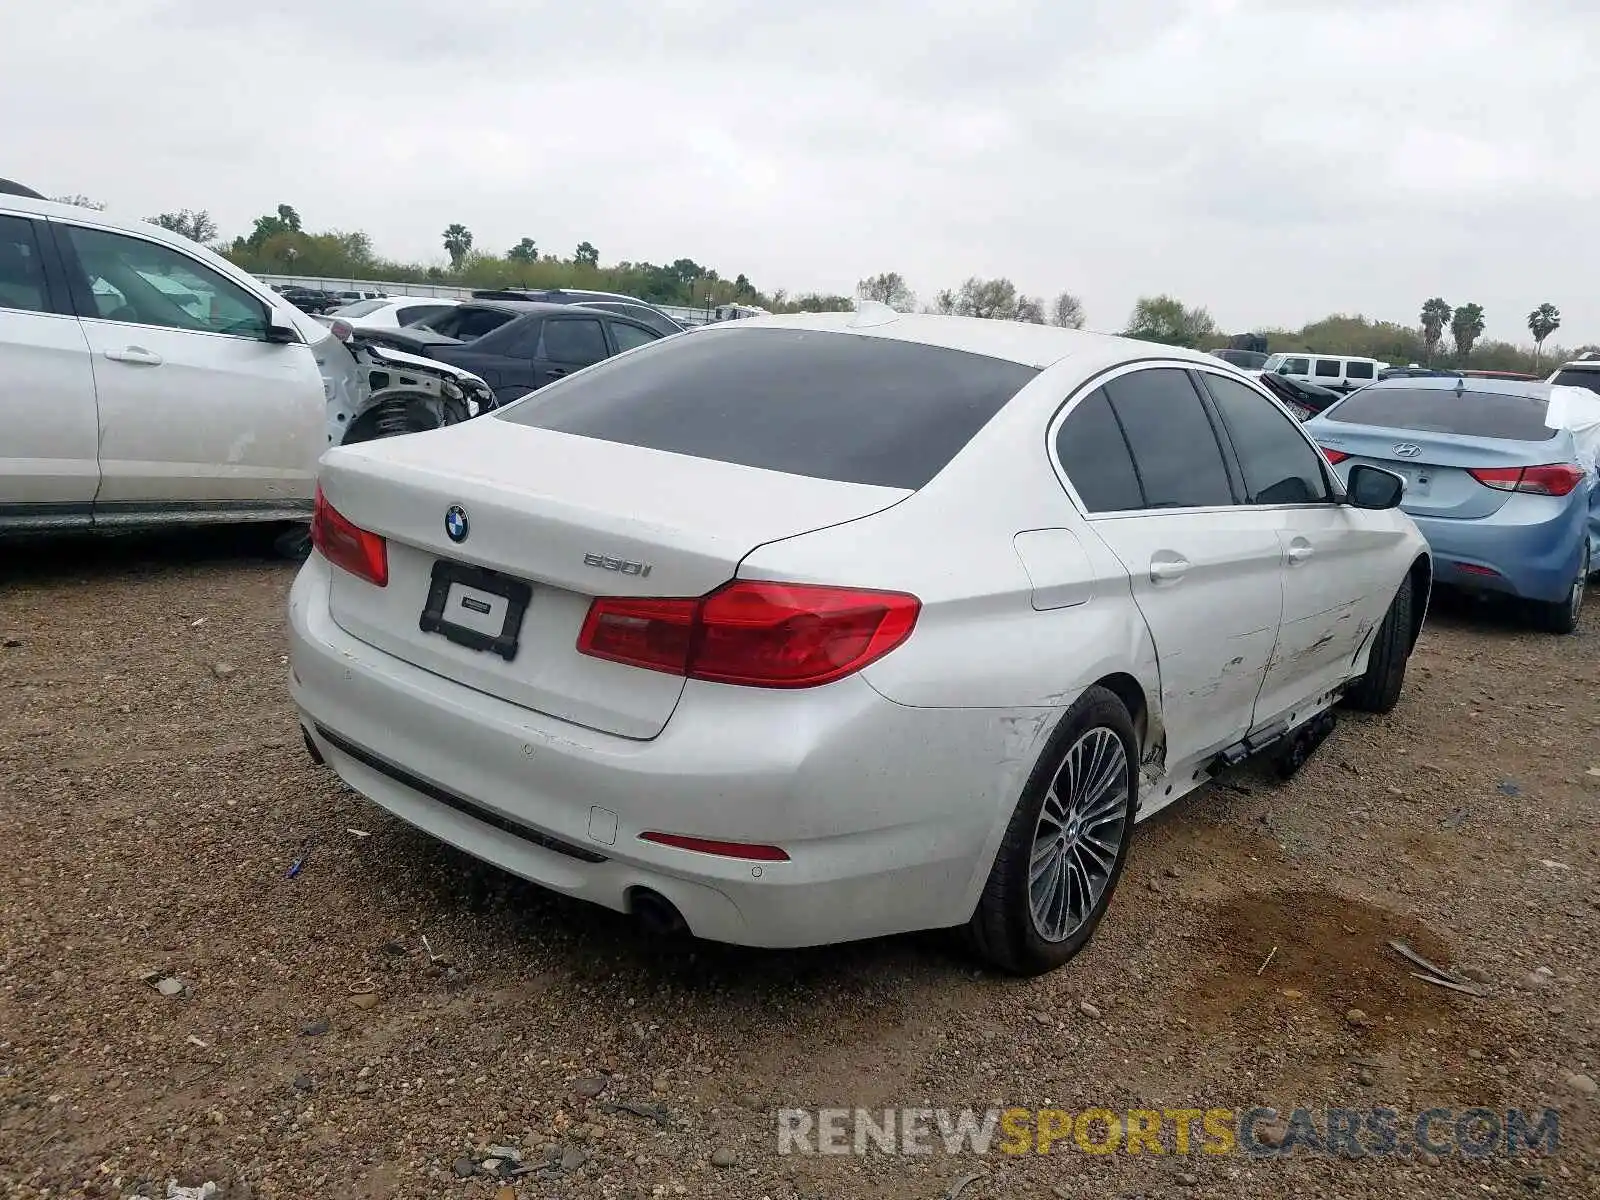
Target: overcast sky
1274, 160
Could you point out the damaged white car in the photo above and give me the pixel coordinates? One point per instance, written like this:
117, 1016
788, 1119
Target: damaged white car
149, 381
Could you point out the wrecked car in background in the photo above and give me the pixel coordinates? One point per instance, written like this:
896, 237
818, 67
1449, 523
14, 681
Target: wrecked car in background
150, 381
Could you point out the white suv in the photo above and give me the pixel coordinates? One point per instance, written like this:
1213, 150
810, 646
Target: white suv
149, 381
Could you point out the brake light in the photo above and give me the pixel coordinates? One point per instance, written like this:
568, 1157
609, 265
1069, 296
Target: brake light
342, 329
346, 545
1335, 456
1556, 479
752, 632
750, 850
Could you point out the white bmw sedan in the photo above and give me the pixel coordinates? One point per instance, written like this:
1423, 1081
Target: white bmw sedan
815, 628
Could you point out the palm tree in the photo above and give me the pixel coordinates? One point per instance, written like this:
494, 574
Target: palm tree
457, 242
1542, 322
1466, 327
1435, 316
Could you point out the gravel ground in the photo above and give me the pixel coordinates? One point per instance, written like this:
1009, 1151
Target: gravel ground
370, 1026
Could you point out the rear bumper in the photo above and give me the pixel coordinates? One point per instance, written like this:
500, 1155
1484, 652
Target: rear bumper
890, 814
1522, 551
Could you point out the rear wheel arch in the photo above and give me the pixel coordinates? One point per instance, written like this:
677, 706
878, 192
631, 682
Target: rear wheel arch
1421, 575
1132, 694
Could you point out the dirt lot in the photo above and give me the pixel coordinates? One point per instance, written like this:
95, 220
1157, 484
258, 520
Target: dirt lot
154, 796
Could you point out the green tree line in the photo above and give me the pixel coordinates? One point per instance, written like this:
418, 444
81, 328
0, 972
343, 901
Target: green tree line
1445, 334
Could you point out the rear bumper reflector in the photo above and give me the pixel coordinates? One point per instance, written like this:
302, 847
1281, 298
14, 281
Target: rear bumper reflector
459, 803
749, 850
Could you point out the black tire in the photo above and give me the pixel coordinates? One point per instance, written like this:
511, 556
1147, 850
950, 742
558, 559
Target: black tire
1004, 929
1378, 691
1563, 616
293, 542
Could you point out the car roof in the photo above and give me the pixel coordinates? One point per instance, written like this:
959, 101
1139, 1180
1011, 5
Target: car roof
1020, 342
11, 202
10, 187
520, 307
1581, 364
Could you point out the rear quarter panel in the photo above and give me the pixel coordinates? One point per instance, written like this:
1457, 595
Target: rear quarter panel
989, 635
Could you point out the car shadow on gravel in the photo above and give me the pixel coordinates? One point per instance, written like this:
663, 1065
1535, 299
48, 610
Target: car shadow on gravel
508, 917
94, 557
1486, 614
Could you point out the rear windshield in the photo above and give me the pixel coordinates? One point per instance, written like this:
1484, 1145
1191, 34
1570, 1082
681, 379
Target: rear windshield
1444, 410
1578, 378
837, 406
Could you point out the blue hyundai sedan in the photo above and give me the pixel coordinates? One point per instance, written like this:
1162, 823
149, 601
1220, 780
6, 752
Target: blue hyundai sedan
1508, 503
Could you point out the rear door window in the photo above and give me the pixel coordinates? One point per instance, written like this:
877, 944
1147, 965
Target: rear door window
1095, 456
1517, 418
1328, 368
631, 337
1175, 449
826, 405
574, 342
22, 278
1358, 370
516, 339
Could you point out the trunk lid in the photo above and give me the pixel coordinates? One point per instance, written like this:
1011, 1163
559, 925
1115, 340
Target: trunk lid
1436, 467
573, 518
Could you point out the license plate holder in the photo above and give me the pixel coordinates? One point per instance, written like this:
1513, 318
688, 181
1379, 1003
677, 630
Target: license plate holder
489, 607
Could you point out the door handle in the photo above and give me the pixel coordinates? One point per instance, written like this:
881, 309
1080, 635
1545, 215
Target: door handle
135, 354
1172, 566
558, 370
1299, 551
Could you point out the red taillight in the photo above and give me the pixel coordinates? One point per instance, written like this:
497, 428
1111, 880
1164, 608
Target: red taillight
750, 850
1335, 456
1557, 479
365, 555
342, 329
754, 633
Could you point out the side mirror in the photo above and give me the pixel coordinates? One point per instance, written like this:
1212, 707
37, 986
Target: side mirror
1373, 487
280, 330
1284, 369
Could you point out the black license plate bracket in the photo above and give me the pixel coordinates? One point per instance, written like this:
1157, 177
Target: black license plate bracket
477, 591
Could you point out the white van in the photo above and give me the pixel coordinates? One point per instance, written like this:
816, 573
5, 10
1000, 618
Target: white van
1339, 372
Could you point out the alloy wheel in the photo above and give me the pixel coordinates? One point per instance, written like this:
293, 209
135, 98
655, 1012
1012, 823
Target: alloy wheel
1078, 835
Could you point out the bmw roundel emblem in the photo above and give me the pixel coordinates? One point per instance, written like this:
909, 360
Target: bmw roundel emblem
455, 523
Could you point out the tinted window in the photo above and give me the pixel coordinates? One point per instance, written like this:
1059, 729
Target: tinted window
662, 324
1295, 366
631, 337
469, 323
577, 342
152, 284
1516, 417
413, 313
1279, 465
828, 405
1578, 378
1174, 447
1095, 456
1358, 370
1328, 368
21, 273
516, 339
